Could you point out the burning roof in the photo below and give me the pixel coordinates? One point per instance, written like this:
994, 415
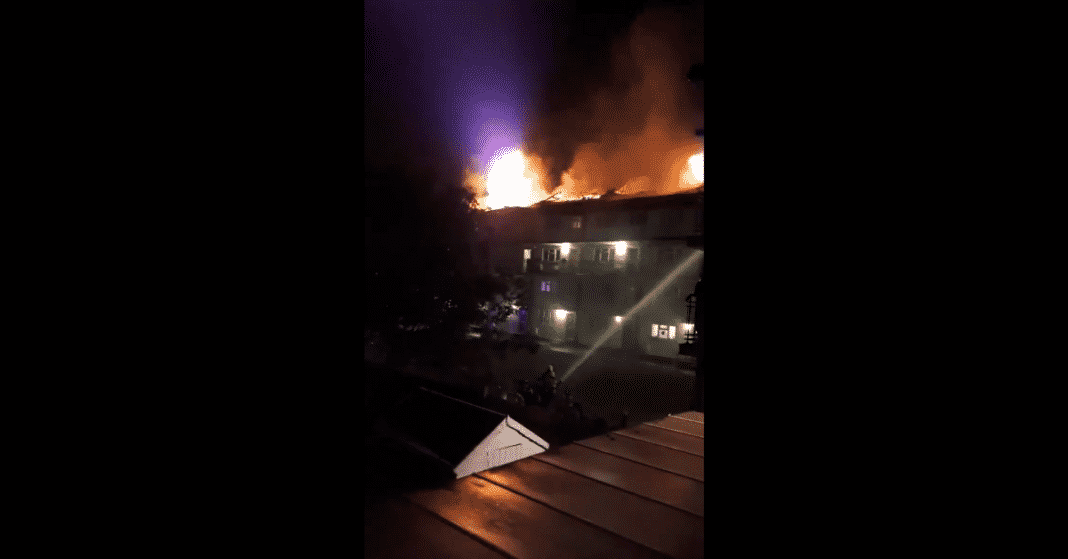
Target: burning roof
635, 200
514, 179
626, 131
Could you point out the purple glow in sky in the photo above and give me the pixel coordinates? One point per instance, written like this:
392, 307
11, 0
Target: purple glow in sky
459, 71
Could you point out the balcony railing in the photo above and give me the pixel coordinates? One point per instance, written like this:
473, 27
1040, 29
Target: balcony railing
576, 266
689, 344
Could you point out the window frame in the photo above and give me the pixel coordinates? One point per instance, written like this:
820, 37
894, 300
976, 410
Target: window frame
605, 254
664, 332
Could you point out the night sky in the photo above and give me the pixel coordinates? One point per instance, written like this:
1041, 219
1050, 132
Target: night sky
449, 83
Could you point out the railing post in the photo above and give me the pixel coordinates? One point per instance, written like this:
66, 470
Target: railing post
701, 335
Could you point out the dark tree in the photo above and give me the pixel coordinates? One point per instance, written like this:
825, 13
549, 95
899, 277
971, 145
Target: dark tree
424, 286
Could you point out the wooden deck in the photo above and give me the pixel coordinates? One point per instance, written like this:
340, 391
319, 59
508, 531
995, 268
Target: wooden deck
635, 492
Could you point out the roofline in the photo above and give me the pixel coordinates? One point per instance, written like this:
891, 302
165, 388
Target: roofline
436, 393
612, 200
597, 203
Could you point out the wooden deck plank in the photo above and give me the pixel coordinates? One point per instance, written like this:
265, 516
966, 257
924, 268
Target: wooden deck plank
663, 437
397, 529
650, 454
522, 527
692, 415
673, 490
652, 524
678, 424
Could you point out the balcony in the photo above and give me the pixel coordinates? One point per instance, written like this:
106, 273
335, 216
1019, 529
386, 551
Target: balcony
535, 266
689, 345
577, 266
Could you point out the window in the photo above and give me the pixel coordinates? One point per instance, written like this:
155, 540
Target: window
551, 254
687, 331
663, 331
548, 286
576, 222
605, 254
526, 254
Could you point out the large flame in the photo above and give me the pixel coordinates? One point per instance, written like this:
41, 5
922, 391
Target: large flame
697, 166
509, 181
628, 130
516, 179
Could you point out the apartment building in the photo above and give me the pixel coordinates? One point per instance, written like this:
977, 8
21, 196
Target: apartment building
614, 268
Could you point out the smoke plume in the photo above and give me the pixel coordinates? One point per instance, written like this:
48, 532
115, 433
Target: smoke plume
626, 122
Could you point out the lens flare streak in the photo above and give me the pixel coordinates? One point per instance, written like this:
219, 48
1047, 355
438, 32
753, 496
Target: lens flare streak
612, 329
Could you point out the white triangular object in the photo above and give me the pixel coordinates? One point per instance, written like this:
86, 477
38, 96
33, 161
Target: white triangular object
508, 442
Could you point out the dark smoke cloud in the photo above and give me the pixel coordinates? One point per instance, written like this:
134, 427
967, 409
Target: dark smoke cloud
618, 107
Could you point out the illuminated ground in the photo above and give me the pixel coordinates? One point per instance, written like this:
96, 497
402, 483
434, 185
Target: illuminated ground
604, 384
609, 381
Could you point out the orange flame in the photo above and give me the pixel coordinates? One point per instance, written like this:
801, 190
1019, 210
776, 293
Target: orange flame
515, 179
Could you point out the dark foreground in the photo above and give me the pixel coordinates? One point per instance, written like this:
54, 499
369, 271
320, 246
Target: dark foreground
631, 493
391, 468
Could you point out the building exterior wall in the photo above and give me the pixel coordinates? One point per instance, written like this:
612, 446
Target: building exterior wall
592, 261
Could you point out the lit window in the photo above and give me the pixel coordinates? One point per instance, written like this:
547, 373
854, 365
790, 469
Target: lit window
576, 222
671, 332
621, 248
663, 331
564, 249
561, 314
547, 286
656, 330
526, 254
687, 328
